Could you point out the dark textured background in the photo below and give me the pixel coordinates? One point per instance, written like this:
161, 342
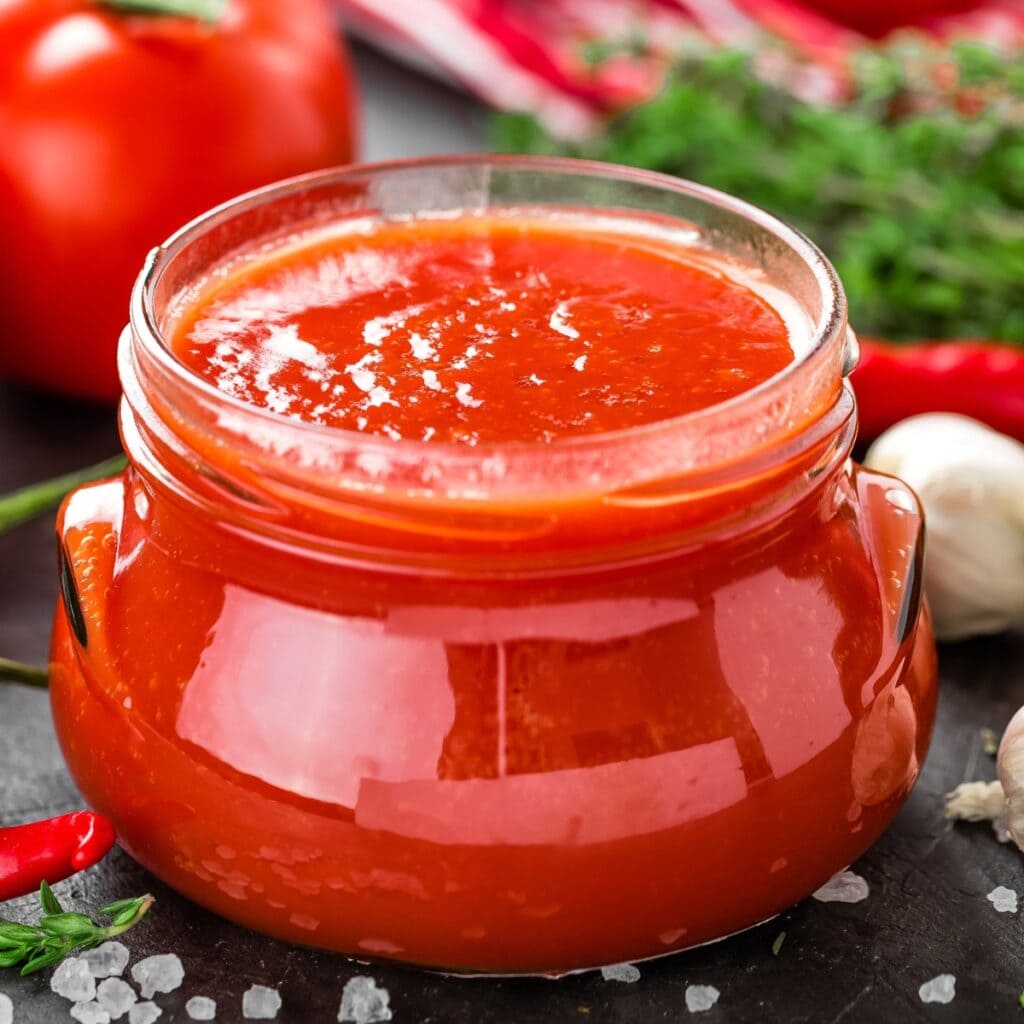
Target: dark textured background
927, 913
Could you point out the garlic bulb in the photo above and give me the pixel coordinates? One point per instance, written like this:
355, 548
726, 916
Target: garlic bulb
970, 480
1011, 774
1001, 801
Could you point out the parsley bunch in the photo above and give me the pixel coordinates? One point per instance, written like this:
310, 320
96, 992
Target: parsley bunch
914, 189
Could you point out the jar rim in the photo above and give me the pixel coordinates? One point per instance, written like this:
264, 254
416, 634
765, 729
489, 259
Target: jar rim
493, 468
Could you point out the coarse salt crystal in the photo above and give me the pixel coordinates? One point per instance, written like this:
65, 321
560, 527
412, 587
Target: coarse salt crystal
621, 972
108, 960
941, 989
144, 1013
6, 1009
90, 1013
701, 997
160, 973
73, 980
201, 1008
117, 997
261, 1003
362, 1002
846, 887
1003, 899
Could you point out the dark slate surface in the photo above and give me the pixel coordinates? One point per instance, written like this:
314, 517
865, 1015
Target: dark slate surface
927, 913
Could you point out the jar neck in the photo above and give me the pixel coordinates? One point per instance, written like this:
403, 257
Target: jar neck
305, 497
576, 500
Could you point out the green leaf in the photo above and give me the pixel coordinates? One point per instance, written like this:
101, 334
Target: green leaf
44, 959
68, 926
19, 933
125, 916
51, 905
129, 916
118, 905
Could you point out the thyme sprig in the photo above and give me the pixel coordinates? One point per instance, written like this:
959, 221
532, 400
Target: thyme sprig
27, 675
35, 499
203, 10
59, 933
22, 505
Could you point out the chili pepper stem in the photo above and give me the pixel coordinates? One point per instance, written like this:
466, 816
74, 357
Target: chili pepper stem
27, 675
20, 506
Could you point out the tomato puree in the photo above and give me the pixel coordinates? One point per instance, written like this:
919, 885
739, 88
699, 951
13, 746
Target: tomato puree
483, 330
582, 724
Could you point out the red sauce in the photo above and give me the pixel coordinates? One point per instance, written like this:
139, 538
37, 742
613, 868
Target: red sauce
575, 765
482, 331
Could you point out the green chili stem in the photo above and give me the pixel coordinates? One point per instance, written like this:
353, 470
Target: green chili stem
204, 10
20, 506
27, 675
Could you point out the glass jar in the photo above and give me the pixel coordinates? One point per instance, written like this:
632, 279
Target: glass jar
512, 708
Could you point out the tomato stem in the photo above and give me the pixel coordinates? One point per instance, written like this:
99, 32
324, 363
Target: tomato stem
27, 675
31, 501
204, 10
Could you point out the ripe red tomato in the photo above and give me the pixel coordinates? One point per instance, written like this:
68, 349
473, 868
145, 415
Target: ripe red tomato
117, 128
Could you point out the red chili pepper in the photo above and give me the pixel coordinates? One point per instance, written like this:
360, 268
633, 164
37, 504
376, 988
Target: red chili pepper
980, 379
51, 850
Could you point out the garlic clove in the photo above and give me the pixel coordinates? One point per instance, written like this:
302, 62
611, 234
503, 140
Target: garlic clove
970, 480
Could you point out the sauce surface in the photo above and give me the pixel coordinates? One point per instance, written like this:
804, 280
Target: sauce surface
482, 330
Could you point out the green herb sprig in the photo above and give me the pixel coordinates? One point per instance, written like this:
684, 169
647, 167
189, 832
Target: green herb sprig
27, 675
19, 507
59, 933
914, 189
203, 10
35, 499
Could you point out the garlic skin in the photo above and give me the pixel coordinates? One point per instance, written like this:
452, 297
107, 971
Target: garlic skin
970, 480
976, 801
1010, 764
